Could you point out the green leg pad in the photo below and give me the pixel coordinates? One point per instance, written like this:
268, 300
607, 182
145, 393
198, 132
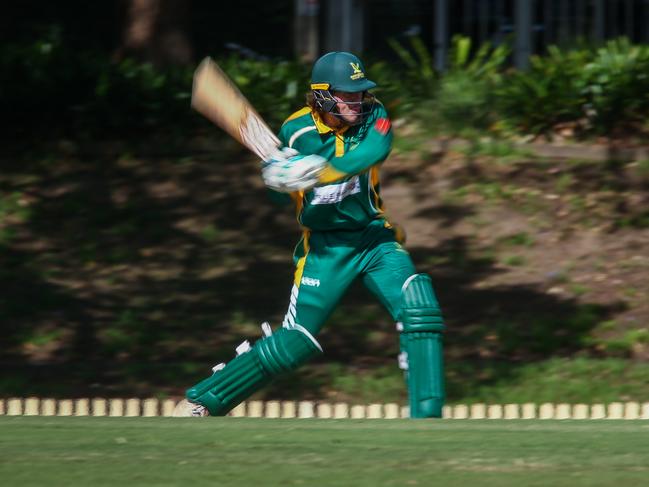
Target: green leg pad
422, 344
281, 352
425, 374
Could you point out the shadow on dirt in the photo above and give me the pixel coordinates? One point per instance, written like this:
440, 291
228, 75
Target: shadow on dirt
132, 276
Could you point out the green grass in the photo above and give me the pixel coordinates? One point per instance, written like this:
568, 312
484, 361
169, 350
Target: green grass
576, 380
571, 380
38, 451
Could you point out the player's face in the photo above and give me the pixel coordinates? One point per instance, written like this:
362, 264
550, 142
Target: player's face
348, 105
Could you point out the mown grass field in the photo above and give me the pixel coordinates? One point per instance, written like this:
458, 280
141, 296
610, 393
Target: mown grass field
40, 451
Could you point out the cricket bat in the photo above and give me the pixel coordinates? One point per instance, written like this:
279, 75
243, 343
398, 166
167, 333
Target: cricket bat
215, 96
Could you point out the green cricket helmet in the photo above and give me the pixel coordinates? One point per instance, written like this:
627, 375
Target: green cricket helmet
341, 71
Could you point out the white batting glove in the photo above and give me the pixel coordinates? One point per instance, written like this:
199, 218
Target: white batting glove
283, 153
293, 173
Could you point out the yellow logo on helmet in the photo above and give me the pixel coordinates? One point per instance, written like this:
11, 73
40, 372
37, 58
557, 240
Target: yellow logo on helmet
357, 71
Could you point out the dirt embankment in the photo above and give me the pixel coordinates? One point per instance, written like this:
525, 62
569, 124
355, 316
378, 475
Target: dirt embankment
144, 270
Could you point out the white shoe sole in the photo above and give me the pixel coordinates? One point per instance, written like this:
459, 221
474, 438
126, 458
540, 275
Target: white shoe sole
186, 409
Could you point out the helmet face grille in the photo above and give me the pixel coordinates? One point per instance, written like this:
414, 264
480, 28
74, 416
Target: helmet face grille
326, 103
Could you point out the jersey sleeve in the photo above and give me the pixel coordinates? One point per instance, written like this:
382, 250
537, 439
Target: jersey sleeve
283, 135
373, 149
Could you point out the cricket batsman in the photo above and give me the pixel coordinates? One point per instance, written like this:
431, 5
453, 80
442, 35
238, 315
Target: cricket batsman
328, 166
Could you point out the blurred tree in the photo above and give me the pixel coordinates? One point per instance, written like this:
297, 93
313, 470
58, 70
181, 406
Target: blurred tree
154, 31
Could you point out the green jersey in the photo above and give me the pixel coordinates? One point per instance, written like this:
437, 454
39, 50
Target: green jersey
348, 196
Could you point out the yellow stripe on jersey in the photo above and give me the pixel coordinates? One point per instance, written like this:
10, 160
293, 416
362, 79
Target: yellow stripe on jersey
305, 241
374, 180
374, 174
340, 144
330, 174
298, 114
299, 268
322, 127
298, 199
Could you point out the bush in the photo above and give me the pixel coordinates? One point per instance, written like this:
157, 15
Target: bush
464, 96
42, 83
459, 100
551, 92
131, 97
616, 85
410, 86
275, 88
54, 91
602, 91
51, 90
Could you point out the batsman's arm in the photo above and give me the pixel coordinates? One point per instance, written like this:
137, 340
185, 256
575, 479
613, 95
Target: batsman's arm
373, 149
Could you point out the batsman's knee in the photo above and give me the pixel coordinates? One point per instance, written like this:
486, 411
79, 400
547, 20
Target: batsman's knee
421, 329
254, 367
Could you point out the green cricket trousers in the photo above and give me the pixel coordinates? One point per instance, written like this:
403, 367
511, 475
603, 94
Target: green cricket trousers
328, 262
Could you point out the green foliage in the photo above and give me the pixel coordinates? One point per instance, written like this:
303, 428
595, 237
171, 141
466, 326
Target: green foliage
462, 103
617, 85
595, 91
210, 233
464, 98
621, 346
500, 149
487, 62
514, 260
36, 77
419, 75
522, 239
575, 380
55, 90
369, 386
460, 100
550, 92
133, 96
409, 86
275, 89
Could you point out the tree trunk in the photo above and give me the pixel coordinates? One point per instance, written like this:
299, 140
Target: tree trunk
154, 32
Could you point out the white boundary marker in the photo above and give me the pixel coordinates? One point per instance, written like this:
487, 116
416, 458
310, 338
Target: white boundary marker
65, 407
150, 407
324, 410
272, 409
288, 409
14, 406
168, 406
82, 407
645, 411
580, 411
391, 411
99, 407
341, 410
153, 407
512, 411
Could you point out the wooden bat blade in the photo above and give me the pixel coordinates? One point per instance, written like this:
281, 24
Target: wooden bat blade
216, 97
